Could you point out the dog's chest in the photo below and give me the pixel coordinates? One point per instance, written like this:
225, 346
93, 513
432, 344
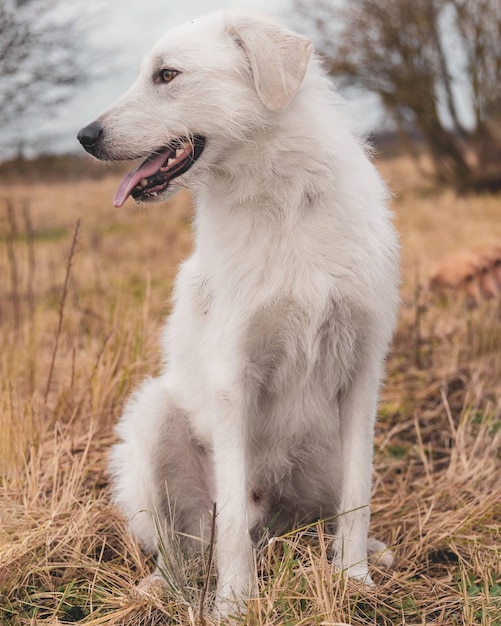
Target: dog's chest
287, 360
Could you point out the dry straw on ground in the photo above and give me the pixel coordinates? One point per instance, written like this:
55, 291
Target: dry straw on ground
79, 328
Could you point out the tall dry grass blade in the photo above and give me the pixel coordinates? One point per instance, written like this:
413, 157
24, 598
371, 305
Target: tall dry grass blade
11, 255
30, 247
61, 308
209, 567
419, 309
30, 289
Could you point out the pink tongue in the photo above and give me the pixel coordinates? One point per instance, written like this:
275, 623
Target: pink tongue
149, 167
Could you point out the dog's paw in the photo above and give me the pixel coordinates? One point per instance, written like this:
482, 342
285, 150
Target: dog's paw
231, 600
360, 573
151, 586
229, 610
379, 555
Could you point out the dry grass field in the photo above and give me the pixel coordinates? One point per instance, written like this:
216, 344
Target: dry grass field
82, 293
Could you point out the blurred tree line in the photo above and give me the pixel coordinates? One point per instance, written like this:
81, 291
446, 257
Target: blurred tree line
436, 67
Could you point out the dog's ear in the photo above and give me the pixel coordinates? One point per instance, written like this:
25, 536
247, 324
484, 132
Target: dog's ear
278, 58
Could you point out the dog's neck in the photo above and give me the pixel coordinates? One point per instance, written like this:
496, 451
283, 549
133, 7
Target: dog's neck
266, 177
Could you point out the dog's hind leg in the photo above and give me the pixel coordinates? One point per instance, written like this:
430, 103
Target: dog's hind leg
162, 479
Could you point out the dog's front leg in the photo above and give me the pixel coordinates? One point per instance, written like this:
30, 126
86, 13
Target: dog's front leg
234, 555
357, 415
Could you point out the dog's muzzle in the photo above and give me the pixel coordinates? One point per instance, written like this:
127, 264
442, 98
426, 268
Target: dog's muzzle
148, 181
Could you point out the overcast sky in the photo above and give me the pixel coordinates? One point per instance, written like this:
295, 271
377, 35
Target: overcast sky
129, 28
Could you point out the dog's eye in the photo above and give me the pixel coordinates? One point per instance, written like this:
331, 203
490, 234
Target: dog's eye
167, 75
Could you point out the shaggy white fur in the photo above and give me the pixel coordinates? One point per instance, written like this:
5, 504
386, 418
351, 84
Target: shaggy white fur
282, 317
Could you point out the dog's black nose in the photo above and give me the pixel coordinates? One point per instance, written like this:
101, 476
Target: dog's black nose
90, 135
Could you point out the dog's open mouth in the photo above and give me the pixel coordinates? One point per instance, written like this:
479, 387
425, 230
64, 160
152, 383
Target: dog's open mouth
156, 172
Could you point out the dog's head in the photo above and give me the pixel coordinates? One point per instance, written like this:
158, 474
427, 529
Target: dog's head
206, 85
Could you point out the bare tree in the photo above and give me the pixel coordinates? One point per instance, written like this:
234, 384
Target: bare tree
479, 26
424, 58
44, 55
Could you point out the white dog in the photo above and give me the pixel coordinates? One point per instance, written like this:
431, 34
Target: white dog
275, 347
